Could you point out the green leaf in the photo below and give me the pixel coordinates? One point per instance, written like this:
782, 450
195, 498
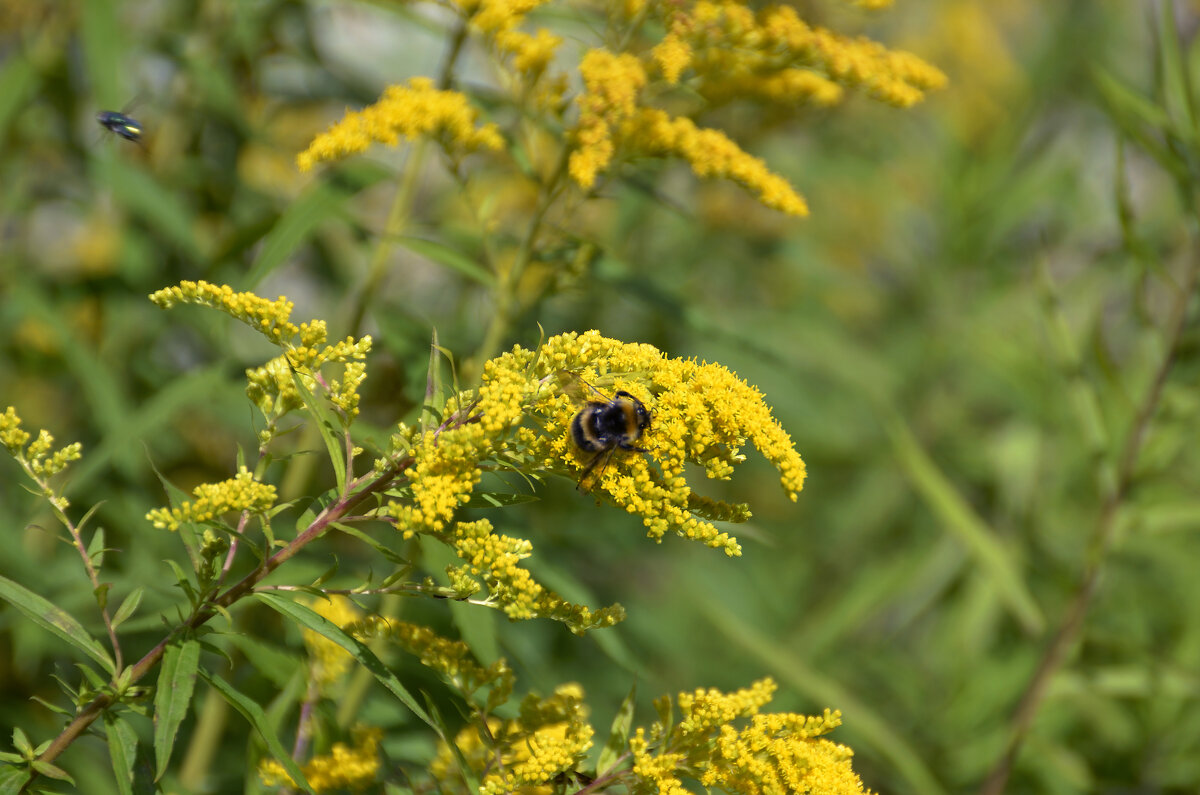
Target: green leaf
172, 697
254, 714
324, 421
158, 205
52, 771
294, 227
618, 736
21, 742
122, 750
1174, 80
444, 255
13, 779
1139, 118
54, 620
129, 606
95, 550
965, 524
18, 80
308, 619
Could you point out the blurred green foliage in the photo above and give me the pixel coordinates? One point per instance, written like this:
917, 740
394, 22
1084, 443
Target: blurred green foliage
958, 339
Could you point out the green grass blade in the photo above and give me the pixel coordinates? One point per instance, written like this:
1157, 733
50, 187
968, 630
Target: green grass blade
54, 620
294, 227
451, 258
966, 525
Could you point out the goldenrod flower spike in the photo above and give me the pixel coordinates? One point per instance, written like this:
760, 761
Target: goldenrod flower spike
416, 110
213, 500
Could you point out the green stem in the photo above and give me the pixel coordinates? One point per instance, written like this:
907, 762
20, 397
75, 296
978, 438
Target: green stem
1071, 627
505, 298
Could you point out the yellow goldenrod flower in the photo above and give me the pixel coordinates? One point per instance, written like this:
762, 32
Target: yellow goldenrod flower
453, 659
37, 459
701, 414
344, 767
772, 753
11, 435
239, 493
328, 661
672, 55
272, 387
491, 16
412, 111
611, 84
527, 754
710, 153
271, 318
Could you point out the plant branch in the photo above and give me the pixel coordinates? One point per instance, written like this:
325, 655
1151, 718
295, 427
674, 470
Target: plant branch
1071, 627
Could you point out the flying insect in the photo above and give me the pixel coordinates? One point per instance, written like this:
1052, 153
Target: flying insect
603, 427
121, 124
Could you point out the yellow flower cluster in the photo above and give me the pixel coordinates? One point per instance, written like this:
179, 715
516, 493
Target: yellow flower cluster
527, 754
416, 110
344, 767
611, 85
773, 753
272, 387
783, 753
710, 153
452, 659
722, 50
328, 662
240, 493
495, 558
702, 414
732, 52
38, 456
770, 754
491, 16
271, 318
705, 710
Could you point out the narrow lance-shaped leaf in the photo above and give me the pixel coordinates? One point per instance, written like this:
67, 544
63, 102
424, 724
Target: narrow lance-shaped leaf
253, 713
54, 620
122, 750
618, 736
176, 682
309, 619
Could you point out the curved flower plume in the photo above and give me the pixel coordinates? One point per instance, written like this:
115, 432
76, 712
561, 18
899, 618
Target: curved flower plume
702, 414
272, 386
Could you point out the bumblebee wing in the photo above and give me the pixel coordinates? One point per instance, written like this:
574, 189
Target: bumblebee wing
591, 473
573, 385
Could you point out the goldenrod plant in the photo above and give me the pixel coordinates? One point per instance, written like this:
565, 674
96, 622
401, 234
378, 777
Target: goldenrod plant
574, 99
466, 320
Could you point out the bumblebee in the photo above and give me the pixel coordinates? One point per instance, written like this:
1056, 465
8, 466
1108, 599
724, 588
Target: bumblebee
127, 127
604, 427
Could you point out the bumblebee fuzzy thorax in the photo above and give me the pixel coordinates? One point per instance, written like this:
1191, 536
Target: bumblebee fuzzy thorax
619, 422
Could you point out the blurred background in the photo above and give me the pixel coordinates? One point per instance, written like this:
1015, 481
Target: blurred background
957, 340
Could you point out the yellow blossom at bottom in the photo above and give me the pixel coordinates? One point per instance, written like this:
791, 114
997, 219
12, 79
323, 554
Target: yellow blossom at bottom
344, 767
